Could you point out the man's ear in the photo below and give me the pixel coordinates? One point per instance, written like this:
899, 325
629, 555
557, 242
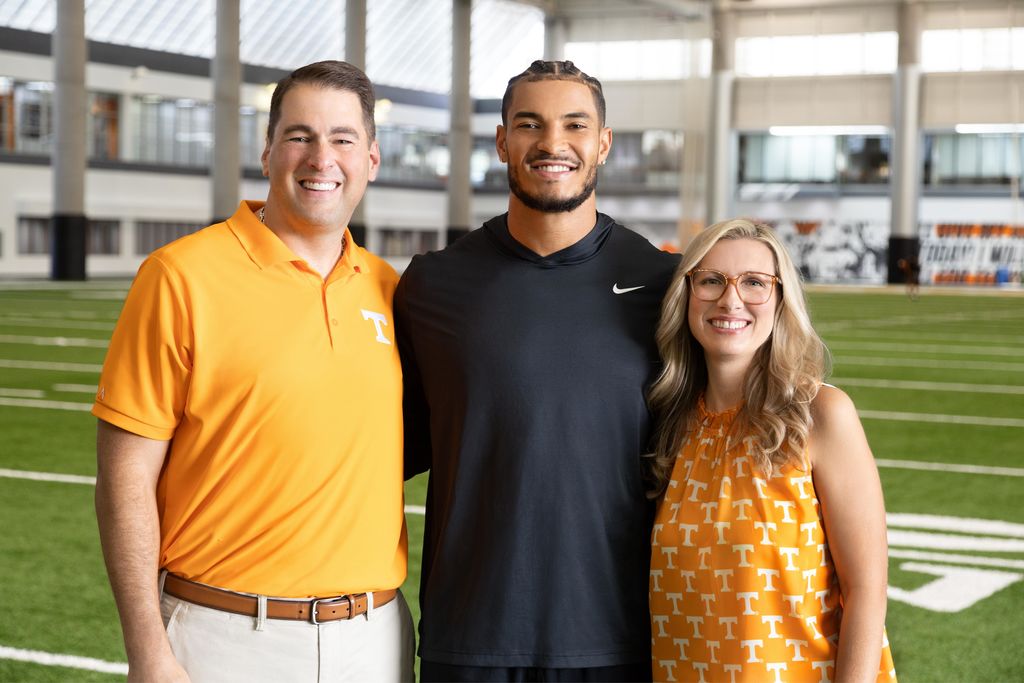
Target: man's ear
499, 144
374, 161
605, 145
264, 160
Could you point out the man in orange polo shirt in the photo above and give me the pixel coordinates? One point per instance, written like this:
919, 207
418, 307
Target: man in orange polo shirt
249, 488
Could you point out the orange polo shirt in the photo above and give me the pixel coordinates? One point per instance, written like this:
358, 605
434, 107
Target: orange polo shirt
281, 394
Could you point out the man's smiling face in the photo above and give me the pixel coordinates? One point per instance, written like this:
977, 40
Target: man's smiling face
319, 159
553, 144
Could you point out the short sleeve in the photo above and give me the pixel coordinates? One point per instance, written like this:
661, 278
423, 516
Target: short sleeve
146, 373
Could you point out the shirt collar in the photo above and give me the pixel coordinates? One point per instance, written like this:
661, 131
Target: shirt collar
585, 249
266, 249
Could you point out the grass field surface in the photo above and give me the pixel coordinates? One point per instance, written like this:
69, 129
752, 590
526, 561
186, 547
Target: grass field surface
939, 382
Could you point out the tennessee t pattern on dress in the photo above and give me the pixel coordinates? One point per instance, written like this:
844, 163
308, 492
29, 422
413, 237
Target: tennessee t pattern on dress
742, 587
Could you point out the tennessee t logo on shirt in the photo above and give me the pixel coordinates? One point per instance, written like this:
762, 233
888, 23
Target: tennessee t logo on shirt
378, 320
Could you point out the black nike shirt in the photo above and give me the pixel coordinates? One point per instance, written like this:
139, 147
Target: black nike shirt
525, 383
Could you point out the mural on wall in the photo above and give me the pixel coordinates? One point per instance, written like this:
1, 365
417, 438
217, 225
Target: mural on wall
851, 251
956, 253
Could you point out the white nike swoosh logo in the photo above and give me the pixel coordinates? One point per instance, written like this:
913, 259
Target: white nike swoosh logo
622, 290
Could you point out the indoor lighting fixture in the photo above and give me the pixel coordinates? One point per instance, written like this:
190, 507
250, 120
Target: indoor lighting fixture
828, 130
988, 128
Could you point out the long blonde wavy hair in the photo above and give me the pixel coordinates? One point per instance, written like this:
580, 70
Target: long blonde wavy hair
781, 382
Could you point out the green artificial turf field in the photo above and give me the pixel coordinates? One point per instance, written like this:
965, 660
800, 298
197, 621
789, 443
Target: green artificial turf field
939, 382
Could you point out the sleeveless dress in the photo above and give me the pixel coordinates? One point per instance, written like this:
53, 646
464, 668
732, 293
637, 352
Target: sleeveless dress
742, 585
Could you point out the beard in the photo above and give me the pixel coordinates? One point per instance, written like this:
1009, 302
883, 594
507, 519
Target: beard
552, 204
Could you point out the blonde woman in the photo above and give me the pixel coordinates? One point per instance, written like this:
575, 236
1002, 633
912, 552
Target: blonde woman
768, 552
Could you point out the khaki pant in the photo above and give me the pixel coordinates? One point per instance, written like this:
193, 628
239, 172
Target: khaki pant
220, 646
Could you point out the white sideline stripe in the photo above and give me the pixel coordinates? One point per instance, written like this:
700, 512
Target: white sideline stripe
923, 539
22, 321
112, 294
50, 285
951, 349
69, 661
47, 365
63, 314
929, 386
21, 393
75, 388
895, 321
966, 525
40, 403
80, 342
949, 467
953, 558
48, 476
977, 420
930, 363
914, 336
91, 481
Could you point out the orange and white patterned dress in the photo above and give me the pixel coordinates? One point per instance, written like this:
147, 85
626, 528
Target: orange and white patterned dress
742, 584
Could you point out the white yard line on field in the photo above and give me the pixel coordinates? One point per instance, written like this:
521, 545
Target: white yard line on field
923, 539
976, 420
47, 365
21, 393
80, 342
100, 294
75, 388
69, 661
953, 558
961, 525
897, 320
24, 321
51, 285
951, 349
930, 363
91, 481
46, 405
928, 386
950, 467
48, 476
941, 338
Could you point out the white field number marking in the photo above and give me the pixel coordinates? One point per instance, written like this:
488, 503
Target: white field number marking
955, 587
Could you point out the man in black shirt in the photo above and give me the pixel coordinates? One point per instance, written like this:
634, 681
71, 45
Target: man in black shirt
527, 347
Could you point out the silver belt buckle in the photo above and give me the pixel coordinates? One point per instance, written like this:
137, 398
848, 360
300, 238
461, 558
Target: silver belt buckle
331, 601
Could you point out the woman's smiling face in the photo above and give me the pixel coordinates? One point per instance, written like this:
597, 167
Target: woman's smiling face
729, 328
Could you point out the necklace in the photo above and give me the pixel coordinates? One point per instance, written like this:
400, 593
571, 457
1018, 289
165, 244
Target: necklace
261, 214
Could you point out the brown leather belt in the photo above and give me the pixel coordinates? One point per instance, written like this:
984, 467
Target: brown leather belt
314, 610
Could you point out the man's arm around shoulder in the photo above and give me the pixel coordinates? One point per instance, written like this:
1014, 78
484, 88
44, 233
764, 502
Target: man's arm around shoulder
128, 467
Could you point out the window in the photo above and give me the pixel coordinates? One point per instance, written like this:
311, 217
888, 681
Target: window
151, 235
6, 113
252, 131
627, 60
649, 159
104, 111
864, 159
34, 117
816, 55
173, 131
969, 159
33, 235
402, 242
814, 159
974, 49
409, 154
103, 235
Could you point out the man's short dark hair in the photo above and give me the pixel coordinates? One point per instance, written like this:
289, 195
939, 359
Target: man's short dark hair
332, 74
542, 70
